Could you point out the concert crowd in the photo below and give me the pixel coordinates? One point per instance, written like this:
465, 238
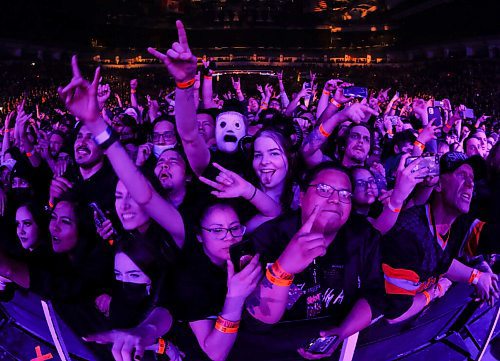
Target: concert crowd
240, 220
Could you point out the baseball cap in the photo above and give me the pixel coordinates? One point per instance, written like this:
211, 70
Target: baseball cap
450, 161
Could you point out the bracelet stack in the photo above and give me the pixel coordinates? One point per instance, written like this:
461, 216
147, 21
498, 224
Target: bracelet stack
226, 326
278, 276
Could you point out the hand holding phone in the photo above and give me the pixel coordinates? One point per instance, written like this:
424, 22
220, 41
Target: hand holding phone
320, 345
241, 254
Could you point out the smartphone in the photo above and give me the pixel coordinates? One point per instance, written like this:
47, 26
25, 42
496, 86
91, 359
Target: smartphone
356, 92
468, 113
99, 216
307, 85
434, 113
241, 254
320, 345
438, 103
430, 162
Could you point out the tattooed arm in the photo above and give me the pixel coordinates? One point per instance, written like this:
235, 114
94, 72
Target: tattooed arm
311, 148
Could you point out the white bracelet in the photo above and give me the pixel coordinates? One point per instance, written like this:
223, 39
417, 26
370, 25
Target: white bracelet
103, 136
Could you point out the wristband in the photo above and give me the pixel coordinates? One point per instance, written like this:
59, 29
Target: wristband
133, 91
186, 84
448, 126
29, 154
254, 193
280, 272
474, 277
105, 138
420, 145
427, 297
51, 205
394, 209
323, 132
226, 326
207, 77
390, 132
277, 281
6, 130
326, 92
162, 346
336, 103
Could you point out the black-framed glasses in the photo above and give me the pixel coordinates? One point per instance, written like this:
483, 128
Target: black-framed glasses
365, 183
326, 191
221, 233
165, 136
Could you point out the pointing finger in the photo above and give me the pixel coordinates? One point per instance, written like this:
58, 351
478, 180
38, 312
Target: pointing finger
307, 226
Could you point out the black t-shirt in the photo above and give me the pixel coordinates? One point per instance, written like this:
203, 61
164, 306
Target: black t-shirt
413, 257
200, 288
328, 287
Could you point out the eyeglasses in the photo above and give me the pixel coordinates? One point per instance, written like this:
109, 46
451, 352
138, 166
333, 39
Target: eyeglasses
221, 233
326, 191
165, 136
364, 184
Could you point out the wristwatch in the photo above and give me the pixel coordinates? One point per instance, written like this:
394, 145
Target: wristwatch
106, 138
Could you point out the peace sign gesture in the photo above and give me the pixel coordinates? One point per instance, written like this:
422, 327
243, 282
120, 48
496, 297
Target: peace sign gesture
80, 96
179, 60
304, 247
229, 184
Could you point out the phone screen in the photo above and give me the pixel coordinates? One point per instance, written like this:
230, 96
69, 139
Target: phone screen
241, 254
321, 345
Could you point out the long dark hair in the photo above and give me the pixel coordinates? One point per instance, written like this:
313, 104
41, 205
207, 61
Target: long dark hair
41, 219
285, 144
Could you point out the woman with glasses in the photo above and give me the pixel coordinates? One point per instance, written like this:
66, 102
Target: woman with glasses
210, 293
365, 190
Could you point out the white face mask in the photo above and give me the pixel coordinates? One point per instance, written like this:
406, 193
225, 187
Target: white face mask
229, 129
159, 149
9, 163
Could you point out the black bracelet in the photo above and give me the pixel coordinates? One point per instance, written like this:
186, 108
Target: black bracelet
254, 193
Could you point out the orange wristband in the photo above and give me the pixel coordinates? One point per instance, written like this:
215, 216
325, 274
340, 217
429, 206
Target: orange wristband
280, 272
394, 209
420, 145
427, 297
162, 346
326, 92
336, 103
277, 281
6, 130
51, 205
29, 154
207, 77
133, 91
226, 326
323, 132
186, 84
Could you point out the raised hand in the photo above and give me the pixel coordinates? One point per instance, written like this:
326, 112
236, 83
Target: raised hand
280, 75
332, 84
197, 81
236, 84
358, 112
259, 88
428, 133
268, 90
339, 93
229, 184
304, 247
133, 84
103, 93
407, 178
143, 154
179, 60
80, 96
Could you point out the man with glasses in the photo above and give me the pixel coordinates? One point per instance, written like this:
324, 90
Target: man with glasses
321, 269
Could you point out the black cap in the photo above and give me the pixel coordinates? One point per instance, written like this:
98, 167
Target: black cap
450, 161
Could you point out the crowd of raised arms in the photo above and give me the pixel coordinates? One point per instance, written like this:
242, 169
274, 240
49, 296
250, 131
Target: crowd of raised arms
124, 213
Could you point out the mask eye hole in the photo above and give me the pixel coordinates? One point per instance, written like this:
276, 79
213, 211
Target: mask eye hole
237, 125
222, 124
